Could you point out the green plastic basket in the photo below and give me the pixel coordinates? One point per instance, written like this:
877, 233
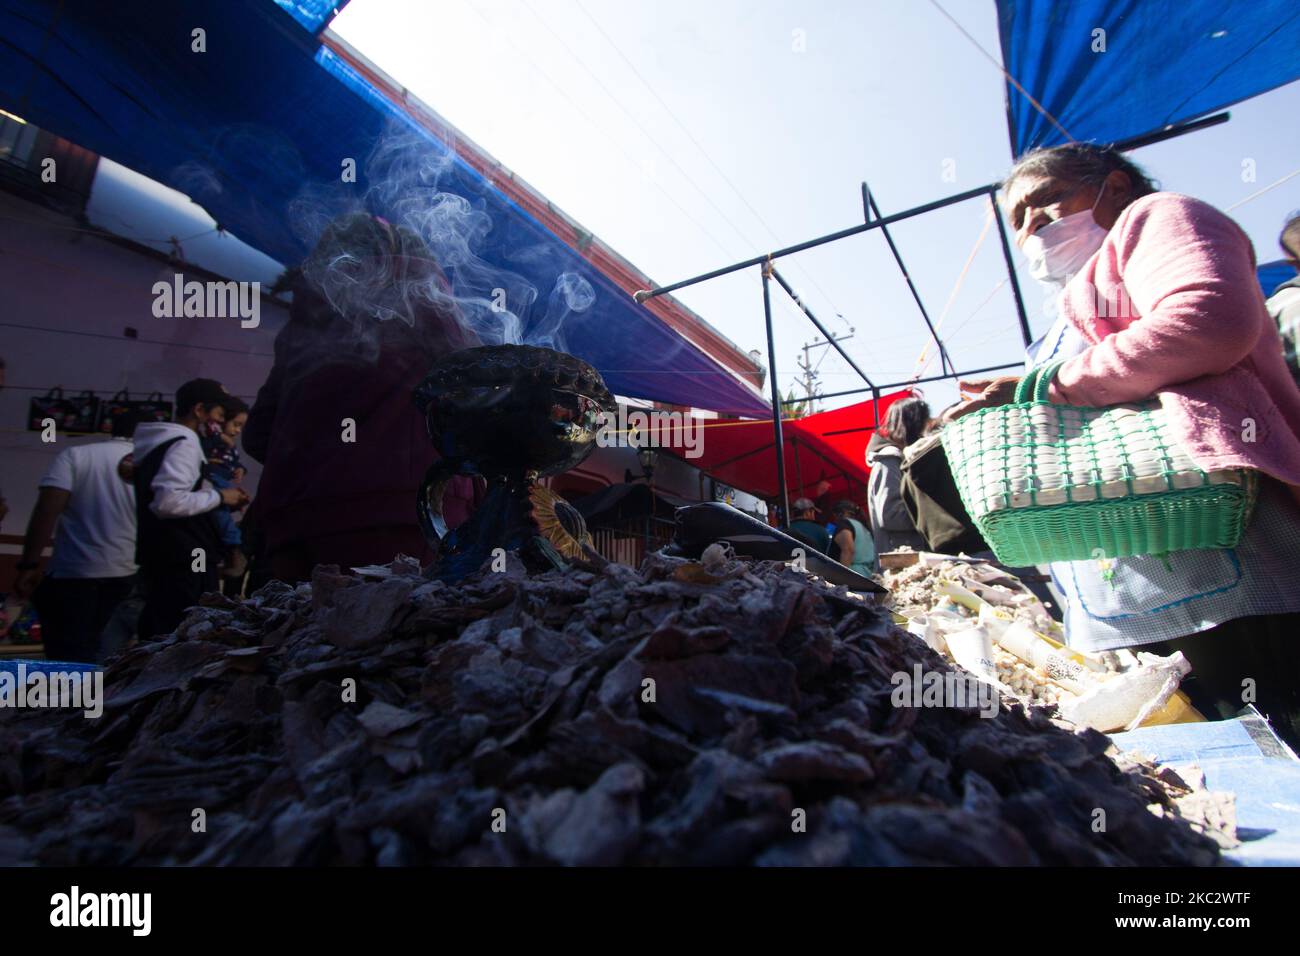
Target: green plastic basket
1046, 482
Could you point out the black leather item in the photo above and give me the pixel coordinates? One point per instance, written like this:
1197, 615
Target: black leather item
169, 540
931, 498
164, 549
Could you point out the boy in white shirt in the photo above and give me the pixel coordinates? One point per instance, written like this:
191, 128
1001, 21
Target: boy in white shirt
93, 567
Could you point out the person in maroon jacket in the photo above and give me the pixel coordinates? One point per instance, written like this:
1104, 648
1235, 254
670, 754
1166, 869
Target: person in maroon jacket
343, 447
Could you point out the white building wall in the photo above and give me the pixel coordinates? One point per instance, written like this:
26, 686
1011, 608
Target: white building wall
66, 298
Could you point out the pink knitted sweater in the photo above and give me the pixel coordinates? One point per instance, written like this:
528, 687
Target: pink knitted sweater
1171, 307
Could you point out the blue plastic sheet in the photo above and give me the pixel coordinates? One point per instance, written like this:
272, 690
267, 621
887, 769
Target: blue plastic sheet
10, 666
1244, 757
1273, 274
314, 15
1163, 62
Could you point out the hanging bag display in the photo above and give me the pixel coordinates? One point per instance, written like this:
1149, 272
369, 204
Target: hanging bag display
151, 409
1046, 482
76, 414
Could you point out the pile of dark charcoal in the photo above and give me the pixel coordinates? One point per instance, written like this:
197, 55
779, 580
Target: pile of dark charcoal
680, 714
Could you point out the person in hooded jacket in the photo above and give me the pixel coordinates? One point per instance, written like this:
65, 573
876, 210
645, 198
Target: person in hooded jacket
344, 449
891, 524
178, 543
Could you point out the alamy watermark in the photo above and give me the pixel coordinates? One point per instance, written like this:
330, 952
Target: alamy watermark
652, 428
74, 690
1115, 304
950, 688
208, 300
77, 909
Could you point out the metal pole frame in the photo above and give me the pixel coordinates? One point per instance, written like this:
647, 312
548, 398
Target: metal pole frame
780, 280
1011, 270
913, 381
776, 398
644, 294
766, 262
880, 223
869, 203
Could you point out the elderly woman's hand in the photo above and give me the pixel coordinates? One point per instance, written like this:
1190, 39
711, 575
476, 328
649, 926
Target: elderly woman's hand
989, 393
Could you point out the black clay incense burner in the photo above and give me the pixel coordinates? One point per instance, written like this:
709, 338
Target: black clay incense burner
512, 414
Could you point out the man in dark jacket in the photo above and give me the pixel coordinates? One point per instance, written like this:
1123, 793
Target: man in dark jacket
178, 545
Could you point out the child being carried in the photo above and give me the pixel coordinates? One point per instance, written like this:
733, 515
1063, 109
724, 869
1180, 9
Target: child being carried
224, 470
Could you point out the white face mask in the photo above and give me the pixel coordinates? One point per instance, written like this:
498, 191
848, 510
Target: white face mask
1058, 250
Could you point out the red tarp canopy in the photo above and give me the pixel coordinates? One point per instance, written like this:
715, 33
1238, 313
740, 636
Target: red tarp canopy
829, 445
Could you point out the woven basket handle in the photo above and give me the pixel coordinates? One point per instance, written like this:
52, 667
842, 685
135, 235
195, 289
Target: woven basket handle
1034, 386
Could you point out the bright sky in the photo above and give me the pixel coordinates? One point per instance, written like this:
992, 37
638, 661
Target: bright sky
689, 134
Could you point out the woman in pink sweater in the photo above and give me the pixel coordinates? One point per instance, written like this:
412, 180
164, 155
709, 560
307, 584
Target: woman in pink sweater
1158, 298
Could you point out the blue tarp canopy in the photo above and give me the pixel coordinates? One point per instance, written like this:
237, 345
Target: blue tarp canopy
263, 115
314, 15
1164, 62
